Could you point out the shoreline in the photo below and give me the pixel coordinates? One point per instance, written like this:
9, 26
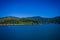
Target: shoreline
10, 24
17, 24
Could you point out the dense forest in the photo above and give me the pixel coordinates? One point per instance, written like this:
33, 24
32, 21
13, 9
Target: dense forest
29, 20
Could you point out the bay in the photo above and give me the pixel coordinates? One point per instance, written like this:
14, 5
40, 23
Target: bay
30, 32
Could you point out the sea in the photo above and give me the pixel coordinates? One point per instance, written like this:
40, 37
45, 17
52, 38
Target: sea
30, 32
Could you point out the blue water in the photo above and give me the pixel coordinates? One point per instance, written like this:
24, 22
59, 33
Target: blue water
30, 32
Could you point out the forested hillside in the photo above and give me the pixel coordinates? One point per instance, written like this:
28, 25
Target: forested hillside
29, 20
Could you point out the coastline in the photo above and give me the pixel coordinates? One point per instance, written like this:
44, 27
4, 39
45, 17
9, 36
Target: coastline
10, 24
17, 24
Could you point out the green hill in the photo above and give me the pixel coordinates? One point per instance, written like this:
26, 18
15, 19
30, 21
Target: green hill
29, 20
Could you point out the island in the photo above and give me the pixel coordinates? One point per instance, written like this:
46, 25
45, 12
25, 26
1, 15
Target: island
36, 20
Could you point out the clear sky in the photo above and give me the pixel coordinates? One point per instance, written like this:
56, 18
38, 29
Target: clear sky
27, 8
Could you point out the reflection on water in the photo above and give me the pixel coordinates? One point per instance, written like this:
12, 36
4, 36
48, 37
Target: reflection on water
30, 32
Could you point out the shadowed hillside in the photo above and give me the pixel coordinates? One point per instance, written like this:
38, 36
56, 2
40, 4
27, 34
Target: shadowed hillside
29, 20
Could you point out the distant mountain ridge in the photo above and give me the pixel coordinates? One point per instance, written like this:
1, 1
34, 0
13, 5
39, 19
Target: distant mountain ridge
42, 19
27, 20
30, 17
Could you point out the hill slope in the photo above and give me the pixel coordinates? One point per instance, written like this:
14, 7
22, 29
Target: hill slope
29, 20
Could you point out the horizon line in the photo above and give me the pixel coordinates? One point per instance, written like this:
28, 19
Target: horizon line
30, 16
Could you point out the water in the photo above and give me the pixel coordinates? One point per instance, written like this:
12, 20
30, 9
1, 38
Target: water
30, 32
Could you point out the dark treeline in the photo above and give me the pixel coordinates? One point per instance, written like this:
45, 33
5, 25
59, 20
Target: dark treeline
29, 20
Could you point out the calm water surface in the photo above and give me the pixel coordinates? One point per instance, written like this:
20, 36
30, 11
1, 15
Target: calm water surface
30, 32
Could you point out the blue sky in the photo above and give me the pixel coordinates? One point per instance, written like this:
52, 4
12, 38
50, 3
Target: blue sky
28, 8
